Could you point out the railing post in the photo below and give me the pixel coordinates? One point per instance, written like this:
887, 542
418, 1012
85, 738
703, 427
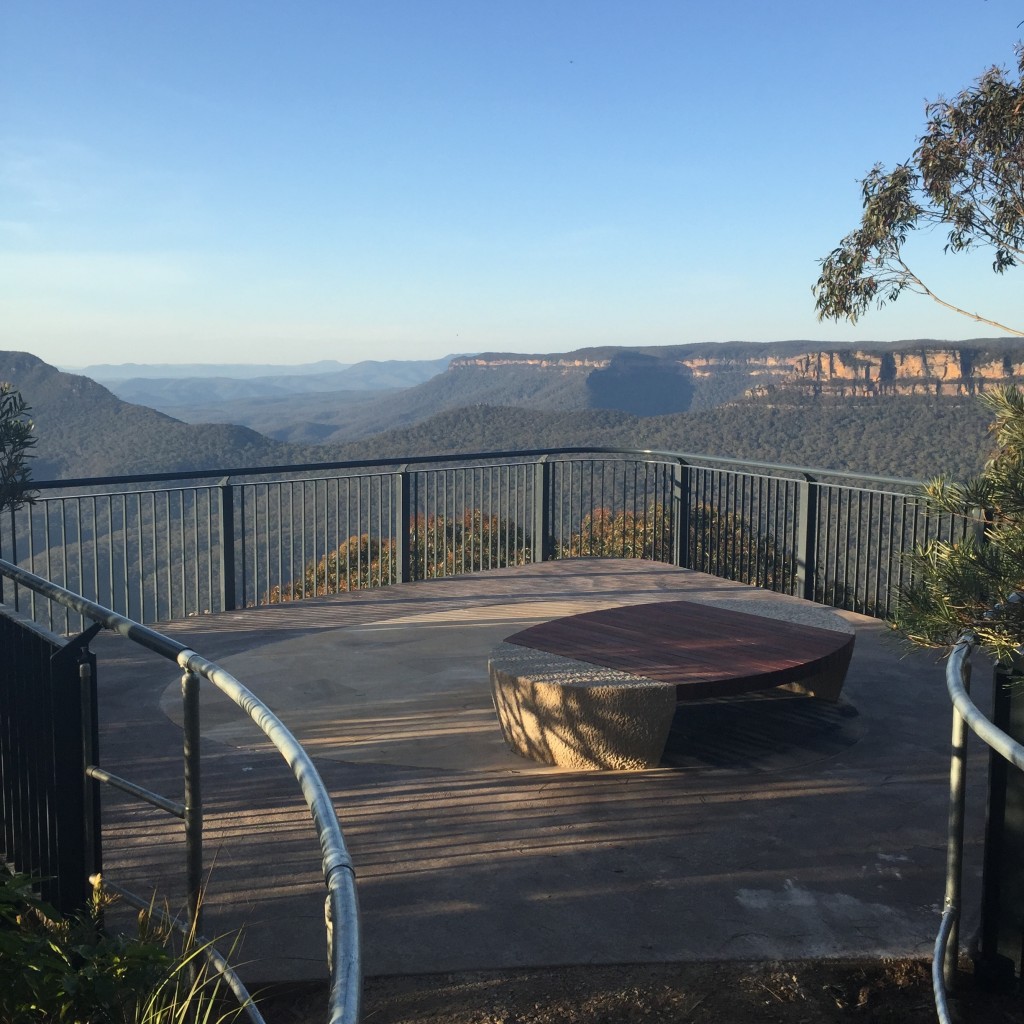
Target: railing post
403, 549
681, 515
542, 510
1002, 897
226, 511
90, 756
193, 800
955, 837
807, 539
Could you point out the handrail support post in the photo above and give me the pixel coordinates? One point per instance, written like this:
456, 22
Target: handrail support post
542, 546
403, 547
193, 800
226, 513
681, 514
955, 835
807, 539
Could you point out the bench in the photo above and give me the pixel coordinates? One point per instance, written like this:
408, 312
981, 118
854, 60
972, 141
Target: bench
600, 689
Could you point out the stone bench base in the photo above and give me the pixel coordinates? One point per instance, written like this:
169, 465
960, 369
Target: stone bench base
565, 712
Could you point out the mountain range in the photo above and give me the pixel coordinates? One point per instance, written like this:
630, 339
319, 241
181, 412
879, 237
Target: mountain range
903, 410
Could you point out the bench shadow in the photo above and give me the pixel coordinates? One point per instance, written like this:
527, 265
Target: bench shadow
761, 732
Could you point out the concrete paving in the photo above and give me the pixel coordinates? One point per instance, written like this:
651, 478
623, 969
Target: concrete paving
777, 828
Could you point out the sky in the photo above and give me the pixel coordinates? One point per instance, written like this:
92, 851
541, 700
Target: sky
270, 182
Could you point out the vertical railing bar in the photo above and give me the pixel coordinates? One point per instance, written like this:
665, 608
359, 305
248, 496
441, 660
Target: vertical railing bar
168, 576
209, 550
360, 483
747, 550
877, 510
858, 557
903, 533
336, 544
324, 535
380, 529
304, 557
243, 519
183, 585
844, 543
764, 485
632, 541
279, 491
837, 541
258, 490
64, 557
49, 558
81, 556
96, 549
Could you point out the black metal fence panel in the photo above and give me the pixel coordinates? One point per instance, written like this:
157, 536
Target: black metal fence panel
191, 547
47, 724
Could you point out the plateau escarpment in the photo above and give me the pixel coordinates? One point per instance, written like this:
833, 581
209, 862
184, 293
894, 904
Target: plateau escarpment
844, 371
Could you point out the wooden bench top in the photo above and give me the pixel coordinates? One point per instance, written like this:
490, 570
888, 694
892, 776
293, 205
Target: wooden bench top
705, 650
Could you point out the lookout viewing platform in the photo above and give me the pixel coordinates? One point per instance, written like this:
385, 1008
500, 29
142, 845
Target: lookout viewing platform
350, 611
777, 825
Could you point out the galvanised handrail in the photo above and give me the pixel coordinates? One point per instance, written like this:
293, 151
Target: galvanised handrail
176, 544
458, 457
339, 874
966, 715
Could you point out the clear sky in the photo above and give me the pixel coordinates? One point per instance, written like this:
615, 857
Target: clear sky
254, 181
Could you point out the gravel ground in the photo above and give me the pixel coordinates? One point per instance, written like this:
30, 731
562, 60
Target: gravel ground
806, 992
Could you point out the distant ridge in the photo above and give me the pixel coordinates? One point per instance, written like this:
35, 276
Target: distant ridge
104, 372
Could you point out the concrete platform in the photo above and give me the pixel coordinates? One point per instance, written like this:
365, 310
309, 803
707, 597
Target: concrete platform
778, 828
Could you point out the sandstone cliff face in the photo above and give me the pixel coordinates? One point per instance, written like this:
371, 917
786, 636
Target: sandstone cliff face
951, 371
845, 372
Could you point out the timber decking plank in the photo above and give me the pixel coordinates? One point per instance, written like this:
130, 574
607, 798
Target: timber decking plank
704, 650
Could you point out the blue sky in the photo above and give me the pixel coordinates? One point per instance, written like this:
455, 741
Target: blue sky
266, 182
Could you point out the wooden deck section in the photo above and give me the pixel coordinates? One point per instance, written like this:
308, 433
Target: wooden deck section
704, 650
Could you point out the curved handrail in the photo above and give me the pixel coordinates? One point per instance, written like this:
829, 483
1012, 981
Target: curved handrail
421, 460
1004, 745
966, 715
339, 874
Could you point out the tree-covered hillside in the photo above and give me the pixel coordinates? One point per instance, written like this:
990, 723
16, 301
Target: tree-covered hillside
83, 430
916, 438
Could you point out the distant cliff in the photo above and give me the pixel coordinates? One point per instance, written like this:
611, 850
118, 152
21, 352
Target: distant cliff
914, 368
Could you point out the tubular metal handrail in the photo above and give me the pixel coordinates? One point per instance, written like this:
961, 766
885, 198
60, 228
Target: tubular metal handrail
390, 465
966, 715
338, 870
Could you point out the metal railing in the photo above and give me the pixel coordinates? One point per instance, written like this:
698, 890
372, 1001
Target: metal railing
966, 716
341, 900
225, 539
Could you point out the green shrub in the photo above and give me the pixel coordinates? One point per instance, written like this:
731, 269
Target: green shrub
68, 969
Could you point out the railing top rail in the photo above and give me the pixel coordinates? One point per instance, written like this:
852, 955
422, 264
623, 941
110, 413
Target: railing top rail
394, 465
337, 864
990, 734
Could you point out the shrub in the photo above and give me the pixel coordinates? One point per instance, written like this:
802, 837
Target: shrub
438, 546
55, 968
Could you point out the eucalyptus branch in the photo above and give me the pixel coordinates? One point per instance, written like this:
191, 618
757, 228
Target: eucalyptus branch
966, 176
917, 283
